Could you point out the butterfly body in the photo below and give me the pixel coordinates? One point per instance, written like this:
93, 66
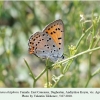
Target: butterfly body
49, 43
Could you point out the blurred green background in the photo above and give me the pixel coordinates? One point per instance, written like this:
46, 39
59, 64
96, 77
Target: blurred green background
20, 19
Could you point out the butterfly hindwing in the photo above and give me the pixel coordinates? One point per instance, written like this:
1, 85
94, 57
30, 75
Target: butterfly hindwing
43, 46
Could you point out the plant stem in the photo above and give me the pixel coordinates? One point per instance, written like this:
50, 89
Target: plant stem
89, 64
96, 72
67, 66
87, 82
40, 74
83, 36
92, 75
32, 75
58, 80
47, 73
47, 79
84, 52
89, 71
34, 83
35, 80
29, 70
80, 40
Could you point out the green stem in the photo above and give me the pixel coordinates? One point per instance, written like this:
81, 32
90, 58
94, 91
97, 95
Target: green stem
88, 28
97, 41
47, 79
67, 66
89, 64
91, 45
58, 80
87, 51
92, 75
41, 74
89, 71
80, 40
87, 82
32, 75
83, 36
96, 72
34, 83
29, 69
47, 73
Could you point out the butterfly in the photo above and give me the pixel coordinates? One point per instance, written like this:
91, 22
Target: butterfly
48, 44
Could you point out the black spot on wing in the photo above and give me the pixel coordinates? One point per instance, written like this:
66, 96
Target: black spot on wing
53, 45
45, 45
48, 28
59, 38
30, 42
42, 39
58, 28
33, 39
43, 35
51, 32
54, 32
49, 38
59, 43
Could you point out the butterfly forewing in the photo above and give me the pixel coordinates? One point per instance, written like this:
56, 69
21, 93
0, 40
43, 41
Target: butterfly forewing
56, 31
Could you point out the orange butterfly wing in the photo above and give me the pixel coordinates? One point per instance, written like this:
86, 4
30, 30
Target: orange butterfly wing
56, 31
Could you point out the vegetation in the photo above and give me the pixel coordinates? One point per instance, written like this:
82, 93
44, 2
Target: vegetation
81, 66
